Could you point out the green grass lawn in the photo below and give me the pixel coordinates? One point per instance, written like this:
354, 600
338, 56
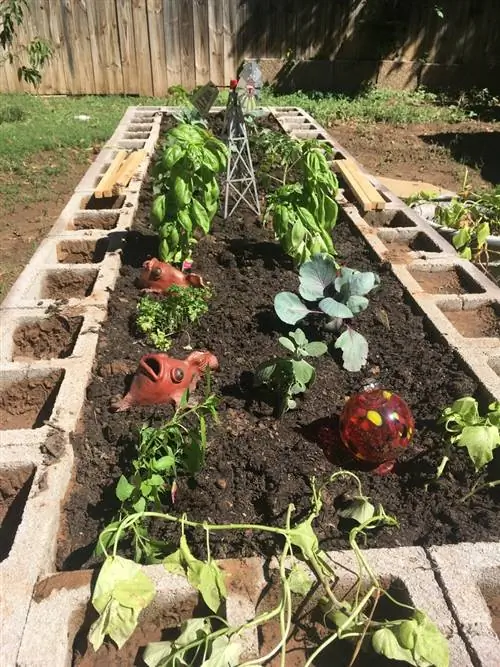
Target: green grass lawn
31, 126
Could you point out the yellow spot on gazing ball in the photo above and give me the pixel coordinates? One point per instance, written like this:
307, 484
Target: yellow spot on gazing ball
374, 417
387, 394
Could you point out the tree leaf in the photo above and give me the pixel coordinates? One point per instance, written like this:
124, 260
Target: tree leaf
358, 509
315, 276
282, 340
385, 642
124, 489
121, 591
357, 303
299, 581
315, 349
289, 307
335, 308
480, 442
354, 349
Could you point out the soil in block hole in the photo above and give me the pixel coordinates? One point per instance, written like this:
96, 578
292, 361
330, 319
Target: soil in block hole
29, 403
68, 284
154, 625
94, 203
389, 219
449, 281
478, 323
15, 485
49, 338
81, 252
94, 221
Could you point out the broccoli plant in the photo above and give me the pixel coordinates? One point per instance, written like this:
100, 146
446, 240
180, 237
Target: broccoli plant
319, 278
289, 377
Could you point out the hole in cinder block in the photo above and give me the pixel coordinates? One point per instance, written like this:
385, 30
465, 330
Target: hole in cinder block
68, 284
423, 243
94, 220
446, 281
95, 203
82, 252
140, 127
47, 338
15, 485
389, 219
136, 135
491, 594
143, 118
160, 621
479, 322
399, 247
29, 402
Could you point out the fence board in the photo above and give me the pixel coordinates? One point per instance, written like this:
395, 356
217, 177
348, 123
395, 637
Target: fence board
157, 47
142, 53
172, 42
145, 46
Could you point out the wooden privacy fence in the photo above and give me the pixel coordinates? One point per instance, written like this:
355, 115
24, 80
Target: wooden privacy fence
146, 46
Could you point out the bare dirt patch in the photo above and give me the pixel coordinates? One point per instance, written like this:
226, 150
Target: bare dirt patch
451, 281
15, 485
28, 403
81, 252
68, 284
49, 338
477, 323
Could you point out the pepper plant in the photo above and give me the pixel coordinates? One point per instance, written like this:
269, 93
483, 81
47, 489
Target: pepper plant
289, 377
122, 591
320, 278
186, 189
304, 213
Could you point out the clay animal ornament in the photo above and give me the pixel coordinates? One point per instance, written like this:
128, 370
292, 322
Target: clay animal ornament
158, 276
163, 379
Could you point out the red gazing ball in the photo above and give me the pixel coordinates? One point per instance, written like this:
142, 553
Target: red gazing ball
376, 426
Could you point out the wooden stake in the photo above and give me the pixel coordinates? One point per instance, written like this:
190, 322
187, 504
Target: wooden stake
127, 170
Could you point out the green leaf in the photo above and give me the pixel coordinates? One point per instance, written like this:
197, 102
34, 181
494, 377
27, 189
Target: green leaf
182, 192
315, 276
298, 233
265, 372
425, 641
304, 537
357, 303
303, 372
315, 349
335, 308
170, 654
211, 585
299, 581
121, 592
164, 463
363, 282
174, 563
467, 408
384, 642
282, 340
359, 509
140, 505
461, 238
225, 652
124, 489
289, 307
480, 442
299, 337
482, 233
354, 349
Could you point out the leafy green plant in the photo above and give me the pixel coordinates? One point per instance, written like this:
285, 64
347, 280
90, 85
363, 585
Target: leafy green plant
302, 565
38, 51
176, 448
160, 317
186, 188
289, 377
479, 435
319, 278
305, 213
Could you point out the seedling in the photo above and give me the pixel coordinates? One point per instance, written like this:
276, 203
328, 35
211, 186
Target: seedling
160, 317
479, 435
122, 591
319, 278
290, 377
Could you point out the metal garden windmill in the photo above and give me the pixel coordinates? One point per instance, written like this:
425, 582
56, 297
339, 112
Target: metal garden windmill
240, 177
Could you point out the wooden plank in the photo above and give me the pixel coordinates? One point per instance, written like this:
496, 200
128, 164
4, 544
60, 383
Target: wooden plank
201, 42
186, 23
157, 47
172, 43
127, 170
216, 41
230, 45
366, 194
105, 185
142, 52
127, 47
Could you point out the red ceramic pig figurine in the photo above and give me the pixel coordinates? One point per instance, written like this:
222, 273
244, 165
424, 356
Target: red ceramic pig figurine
157, 276
163, 379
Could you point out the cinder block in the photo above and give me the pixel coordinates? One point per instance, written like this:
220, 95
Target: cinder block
470, 575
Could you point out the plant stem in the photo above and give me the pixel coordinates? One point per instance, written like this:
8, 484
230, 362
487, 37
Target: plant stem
480, 487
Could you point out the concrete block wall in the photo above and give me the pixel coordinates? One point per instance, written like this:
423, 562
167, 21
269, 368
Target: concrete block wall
85, 244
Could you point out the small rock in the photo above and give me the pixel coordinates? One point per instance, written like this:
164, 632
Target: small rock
221, 483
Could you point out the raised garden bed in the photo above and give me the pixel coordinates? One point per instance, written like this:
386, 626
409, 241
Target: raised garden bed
257, 465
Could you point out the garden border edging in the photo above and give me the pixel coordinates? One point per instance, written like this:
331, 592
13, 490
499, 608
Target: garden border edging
48, 449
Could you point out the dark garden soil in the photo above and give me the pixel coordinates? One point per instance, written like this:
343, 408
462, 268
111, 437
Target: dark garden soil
257, 465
